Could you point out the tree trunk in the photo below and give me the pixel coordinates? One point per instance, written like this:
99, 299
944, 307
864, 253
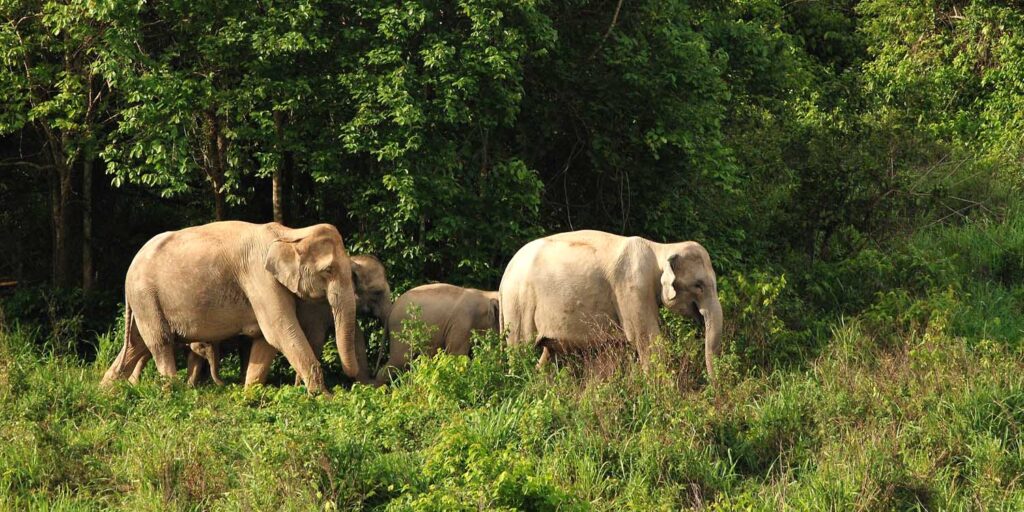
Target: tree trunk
216, 163
277, 193
87, 271
60, 209
280, 182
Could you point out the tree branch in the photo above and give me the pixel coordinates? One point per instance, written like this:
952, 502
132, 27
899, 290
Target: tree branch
615, 19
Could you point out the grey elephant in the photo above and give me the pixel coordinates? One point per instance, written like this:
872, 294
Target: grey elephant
212, 282
373, 299
585, 288
451, 312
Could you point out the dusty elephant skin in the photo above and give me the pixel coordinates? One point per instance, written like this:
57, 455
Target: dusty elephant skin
212, 282
577, 289
373, 299
451, 311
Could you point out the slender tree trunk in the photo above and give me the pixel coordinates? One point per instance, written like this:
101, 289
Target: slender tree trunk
60, 205
216, 163
280, 182
87, 269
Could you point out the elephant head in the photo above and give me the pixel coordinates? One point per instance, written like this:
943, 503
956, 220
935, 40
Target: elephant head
688, 287
373, 293
313, 264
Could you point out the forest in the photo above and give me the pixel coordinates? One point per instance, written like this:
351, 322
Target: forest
854, 169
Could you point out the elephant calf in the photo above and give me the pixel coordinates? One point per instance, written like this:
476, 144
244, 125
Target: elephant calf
452, 312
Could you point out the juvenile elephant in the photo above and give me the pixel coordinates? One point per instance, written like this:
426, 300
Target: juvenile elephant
585, 288
373, 299
212, 282
202, 356
452, 313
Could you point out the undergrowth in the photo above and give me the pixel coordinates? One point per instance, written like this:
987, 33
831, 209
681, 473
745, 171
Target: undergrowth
911, 398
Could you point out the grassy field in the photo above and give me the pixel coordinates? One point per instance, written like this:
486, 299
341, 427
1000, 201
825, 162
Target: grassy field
911, 398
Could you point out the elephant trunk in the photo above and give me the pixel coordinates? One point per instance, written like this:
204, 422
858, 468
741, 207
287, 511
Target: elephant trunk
711, 311
385, 310
343, 307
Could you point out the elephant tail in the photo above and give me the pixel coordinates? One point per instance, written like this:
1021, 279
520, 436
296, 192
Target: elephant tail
129, 321
501, 318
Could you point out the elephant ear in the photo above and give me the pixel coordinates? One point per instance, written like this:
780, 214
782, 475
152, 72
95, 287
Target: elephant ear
668, 280
284, 263
356, 270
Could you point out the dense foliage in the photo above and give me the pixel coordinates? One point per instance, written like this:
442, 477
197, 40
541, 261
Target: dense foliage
852, 166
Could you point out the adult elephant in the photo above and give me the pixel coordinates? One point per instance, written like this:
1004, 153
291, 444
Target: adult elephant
451, 312
373, 299
212, 282
584, 288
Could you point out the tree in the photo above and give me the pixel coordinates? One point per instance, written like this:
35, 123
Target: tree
51, 84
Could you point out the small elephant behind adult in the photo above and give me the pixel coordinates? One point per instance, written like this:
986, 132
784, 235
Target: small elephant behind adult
208, 355
451, 312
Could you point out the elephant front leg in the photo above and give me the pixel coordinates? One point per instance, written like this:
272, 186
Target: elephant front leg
195, 366
280, 328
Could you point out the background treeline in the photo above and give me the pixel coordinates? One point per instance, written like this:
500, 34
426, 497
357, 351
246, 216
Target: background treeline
854, 169
442, 135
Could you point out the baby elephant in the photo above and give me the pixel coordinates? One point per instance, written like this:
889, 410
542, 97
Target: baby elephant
450, 312
202, 355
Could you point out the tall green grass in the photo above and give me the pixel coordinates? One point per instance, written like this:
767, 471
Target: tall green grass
911, 400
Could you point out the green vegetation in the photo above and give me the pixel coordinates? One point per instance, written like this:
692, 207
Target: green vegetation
853, 167
893, 408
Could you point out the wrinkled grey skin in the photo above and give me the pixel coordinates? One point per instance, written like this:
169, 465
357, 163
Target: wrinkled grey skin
583, 289
373, 298
213, 282
451, 312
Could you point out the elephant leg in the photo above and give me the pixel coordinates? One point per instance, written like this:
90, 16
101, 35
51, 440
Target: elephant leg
640, 324
398, 358
281, 329
545, 356
139, 367
132, 352
311, 319
260, 358
195, 366
160, 343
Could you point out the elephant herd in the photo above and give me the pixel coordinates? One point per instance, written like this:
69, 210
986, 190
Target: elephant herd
267, 288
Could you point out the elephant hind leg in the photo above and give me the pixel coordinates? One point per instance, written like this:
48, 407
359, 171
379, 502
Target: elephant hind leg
261, 355
133, 355
159, 340
545, 352
139, 367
